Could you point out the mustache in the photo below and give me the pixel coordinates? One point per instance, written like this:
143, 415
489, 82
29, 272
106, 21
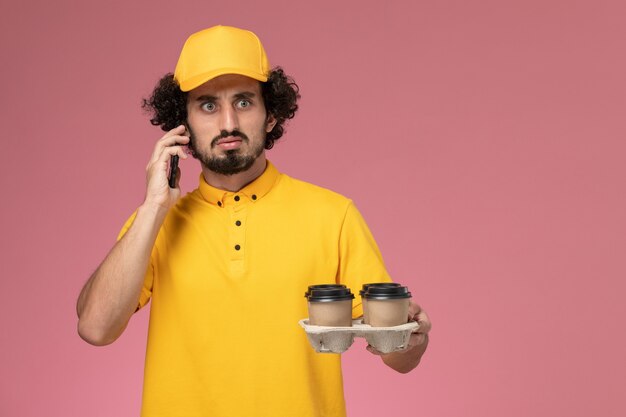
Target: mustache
224, 134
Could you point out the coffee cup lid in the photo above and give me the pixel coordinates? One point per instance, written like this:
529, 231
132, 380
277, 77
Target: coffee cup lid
329, 294
378, 284
387, 293
322, 286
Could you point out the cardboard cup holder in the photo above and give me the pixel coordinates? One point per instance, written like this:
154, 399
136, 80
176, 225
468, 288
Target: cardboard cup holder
329, 339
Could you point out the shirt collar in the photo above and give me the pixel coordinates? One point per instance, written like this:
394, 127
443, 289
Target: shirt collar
253, 192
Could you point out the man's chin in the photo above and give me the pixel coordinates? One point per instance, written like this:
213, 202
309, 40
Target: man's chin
228, 166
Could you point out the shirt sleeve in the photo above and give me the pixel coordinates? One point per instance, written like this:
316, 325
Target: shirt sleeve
146, 290
360, 259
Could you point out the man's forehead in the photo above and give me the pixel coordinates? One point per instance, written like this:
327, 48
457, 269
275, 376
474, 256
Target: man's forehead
229, 84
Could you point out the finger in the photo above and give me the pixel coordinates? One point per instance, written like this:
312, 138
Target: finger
162, 163
417, 339
373, 350
169, 151
177, 131
414, 309
424, 322
168, 142
177, 150
174, 136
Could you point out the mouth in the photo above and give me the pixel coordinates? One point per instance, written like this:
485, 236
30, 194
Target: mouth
230, 142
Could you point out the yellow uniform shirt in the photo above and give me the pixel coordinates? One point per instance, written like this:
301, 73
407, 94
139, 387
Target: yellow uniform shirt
227, 278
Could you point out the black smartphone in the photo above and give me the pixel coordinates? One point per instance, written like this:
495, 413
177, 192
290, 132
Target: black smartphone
173, 168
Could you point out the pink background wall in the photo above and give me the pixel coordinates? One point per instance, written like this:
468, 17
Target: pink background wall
484, 142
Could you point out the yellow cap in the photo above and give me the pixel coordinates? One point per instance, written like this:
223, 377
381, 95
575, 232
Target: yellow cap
217, 51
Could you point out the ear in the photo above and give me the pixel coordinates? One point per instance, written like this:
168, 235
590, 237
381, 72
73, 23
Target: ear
270, 122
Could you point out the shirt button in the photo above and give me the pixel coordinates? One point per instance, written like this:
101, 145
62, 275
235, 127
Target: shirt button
237, 247
254, 196
236, 198
219, 203
238, 223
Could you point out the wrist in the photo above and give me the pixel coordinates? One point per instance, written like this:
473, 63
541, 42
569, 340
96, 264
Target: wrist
154, 210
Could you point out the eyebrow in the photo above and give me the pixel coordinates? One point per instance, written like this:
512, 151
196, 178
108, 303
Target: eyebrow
243, 94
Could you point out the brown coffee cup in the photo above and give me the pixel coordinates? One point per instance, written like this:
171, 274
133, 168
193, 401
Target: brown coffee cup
330, 306
364, 300
387, 306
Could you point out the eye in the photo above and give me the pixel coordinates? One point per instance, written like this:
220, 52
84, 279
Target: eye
208, 106
243, 103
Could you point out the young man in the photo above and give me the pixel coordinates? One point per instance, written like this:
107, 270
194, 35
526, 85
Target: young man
226, 266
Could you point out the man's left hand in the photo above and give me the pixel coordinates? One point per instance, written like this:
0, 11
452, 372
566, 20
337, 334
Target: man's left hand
405, 360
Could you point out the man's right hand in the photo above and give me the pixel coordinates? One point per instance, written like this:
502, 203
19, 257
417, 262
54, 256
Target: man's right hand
158, 192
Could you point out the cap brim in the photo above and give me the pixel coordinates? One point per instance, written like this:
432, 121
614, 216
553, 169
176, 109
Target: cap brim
198, 80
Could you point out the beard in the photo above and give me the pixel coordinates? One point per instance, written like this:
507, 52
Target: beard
233, 161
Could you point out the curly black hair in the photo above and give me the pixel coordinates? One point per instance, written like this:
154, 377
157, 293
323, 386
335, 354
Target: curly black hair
168, 104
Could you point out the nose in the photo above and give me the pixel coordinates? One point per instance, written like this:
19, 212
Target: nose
229, 120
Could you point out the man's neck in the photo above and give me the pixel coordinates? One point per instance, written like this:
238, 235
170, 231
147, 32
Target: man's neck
235, 182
